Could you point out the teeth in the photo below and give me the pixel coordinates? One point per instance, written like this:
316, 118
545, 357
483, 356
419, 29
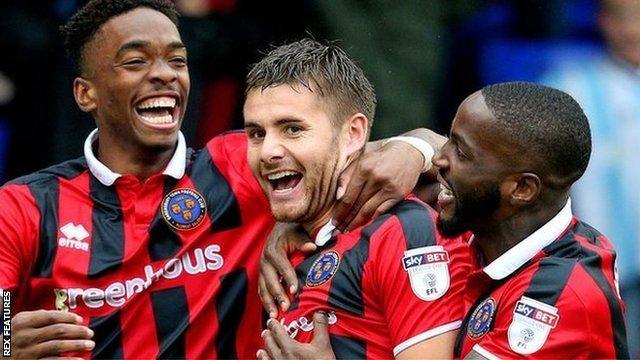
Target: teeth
167, 119
280, 175
158, 102
445, 190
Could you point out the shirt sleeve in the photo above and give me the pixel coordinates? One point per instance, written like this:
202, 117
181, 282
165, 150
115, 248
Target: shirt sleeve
420, 285
527, 328
18, 235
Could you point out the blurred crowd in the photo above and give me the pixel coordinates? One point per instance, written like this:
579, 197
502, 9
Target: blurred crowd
423, 57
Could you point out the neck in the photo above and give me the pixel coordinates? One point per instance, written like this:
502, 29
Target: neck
313, 225
141, 164
494, 239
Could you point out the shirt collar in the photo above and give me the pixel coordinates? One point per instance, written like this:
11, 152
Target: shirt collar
525, 250
175, 168
325, 233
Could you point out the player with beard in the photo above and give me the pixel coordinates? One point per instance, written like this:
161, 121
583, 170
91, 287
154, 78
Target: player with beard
545, 284
143, 248
390, 288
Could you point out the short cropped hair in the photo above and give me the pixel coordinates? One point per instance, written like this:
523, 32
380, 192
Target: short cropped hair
323, 67
547, 123
84, 24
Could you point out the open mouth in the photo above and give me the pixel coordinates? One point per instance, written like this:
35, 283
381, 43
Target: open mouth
446, 196
157, 111
284, 181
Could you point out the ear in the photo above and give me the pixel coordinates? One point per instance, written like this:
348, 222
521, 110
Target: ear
85, 94
523, 188
357, 129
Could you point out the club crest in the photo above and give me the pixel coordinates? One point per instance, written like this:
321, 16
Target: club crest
323, 269
428, 269
531, 324
481, 319
183, 209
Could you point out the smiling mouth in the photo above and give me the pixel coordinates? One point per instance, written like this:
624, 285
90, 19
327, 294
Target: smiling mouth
158, 110
284, 181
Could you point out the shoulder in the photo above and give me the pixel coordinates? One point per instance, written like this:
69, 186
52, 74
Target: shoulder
416, 222
228, 143
66, 170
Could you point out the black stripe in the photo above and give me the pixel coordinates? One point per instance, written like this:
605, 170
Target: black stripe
301, 272
346, 286
592, 264
171, 313
568, 247
107, 238
550, 279
46, 193
164, 242
590, 233
348, 348
222, 205
66, 170
230, 306
107, 337
44, 186
417, 225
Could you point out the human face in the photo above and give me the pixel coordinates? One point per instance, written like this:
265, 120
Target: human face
295, 151
136, 82
620, 24
471, 165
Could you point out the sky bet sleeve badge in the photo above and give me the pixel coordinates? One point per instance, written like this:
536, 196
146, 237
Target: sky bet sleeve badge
183, 209
531, 324
428, 269
323, 269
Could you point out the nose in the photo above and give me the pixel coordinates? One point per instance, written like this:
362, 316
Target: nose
440, 160
272, 149
163, 72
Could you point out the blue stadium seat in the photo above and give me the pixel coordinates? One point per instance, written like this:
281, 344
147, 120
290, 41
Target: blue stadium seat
527, 60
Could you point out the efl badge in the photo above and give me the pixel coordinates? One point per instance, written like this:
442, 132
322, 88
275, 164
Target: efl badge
183, 209
428, 269
532, 322
481, 319
323, 269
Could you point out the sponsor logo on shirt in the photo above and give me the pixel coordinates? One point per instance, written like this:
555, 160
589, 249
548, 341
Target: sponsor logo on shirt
183, 209
481, 319
73, 237
323, 269
116, 294
531, 324
428, 269
305, 324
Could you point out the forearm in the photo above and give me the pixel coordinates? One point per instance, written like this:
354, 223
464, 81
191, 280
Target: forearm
432, 138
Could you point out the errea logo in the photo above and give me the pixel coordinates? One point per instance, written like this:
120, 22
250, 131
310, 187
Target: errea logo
73, 236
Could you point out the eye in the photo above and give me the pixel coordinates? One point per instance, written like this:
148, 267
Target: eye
293, 130
460, 154
255, 134
134, 63
179, 61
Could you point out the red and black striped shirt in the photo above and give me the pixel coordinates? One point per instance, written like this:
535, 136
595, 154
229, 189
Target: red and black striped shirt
151, 284
553, 295
386, 286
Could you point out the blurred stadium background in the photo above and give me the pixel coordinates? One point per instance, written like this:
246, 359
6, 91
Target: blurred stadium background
423, 56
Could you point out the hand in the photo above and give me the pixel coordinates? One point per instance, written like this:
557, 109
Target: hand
375, 183
48, 333
280, 346
284, 240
